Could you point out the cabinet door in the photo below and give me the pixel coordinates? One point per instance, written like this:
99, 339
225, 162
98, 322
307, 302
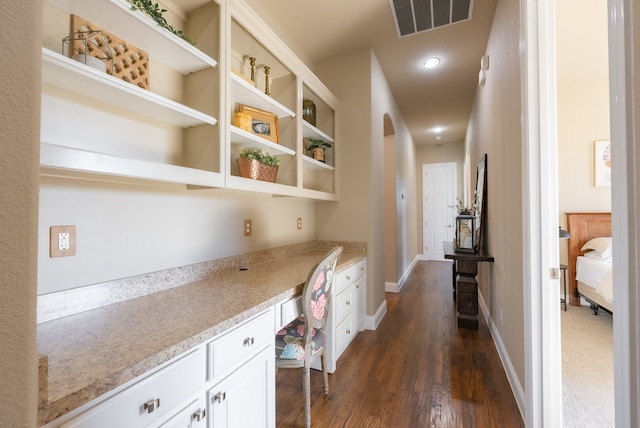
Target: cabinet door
246, 398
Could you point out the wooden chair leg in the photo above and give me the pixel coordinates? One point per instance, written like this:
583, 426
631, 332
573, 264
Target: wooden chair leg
307, 394
325, 373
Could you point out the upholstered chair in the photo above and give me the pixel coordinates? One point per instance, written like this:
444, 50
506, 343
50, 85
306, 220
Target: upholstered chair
303, 340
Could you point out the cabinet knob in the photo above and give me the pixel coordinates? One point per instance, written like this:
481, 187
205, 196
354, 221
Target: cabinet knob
220, 397
249, 341
348, 302
151, 405
348, 278
198, 415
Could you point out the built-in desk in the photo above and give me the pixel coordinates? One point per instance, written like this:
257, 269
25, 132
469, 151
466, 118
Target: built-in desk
465, 286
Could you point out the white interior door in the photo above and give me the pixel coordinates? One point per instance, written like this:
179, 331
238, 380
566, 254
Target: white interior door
438, 199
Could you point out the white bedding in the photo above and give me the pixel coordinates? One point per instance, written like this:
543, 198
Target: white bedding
596, 273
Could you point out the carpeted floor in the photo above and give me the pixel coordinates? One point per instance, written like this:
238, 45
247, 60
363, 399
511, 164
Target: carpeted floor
587, 368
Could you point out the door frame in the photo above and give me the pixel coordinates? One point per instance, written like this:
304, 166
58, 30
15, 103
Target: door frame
454, 186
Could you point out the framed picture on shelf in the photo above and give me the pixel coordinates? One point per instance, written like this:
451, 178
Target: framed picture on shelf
263, 123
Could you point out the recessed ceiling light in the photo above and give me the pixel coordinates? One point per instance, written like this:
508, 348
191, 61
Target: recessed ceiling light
438, 129
431, 62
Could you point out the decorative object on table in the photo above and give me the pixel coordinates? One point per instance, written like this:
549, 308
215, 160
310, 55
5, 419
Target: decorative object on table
242, 120
316, 147
154, 12
603, 163
258, 165
267, 88
263, 123
252, 63
465, 239
127, 61
309, 111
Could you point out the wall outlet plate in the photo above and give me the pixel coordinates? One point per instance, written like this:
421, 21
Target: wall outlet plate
62, 241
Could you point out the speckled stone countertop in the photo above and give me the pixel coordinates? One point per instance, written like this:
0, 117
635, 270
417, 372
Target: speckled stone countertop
90, 353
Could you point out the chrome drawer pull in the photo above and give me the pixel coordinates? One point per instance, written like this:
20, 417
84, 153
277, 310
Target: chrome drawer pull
198, 415
348, 278
151, 405
348, 302
249, 341
220, 397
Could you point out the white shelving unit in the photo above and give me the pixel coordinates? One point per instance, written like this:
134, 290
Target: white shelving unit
161, 135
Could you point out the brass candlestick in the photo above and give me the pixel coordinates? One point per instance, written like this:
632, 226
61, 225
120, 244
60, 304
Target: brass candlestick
266, 80
252, 62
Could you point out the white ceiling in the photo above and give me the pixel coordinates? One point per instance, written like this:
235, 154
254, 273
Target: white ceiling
427, 98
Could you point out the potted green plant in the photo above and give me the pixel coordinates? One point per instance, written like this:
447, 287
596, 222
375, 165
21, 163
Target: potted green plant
316, 147
258, 165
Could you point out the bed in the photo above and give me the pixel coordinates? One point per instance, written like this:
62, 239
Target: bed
590, 260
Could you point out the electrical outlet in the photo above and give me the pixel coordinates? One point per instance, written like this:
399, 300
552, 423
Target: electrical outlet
247, 228
62, 241
299, 224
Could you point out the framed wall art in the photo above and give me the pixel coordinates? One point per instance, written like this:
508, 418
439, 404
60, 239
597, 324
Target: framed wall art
603, 163
263, 123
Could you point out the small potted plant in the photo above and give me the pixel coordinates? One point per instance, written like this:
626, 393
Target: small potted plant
317, 146
258, 165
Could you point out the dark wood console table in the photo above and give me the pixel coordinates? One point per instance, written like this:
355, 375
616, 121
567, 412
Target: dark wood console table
465, 286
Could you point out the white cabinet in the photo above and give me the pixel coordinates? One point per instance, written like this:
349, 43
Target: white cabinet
242, 370
346, 312
179, 130
151, 399
192, 416
246, 398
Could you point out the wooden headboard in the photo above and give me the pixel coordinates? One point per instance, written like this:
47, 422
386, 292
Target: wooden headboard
583, 227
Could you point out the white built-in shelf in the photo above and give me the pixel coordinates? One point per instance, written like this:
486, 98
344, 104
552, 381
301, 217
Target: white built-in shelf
313, 164
78, 78
246, 94
116, 17
244, 140
61, 158
310, 131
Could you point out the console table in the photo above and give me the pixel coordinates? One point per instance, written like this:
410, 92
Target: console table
465, 286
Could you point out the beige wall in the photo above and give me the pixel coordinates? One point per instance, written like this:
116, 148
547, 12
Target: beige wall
19, 149
495, 129
365, 98
452, 152
583, 106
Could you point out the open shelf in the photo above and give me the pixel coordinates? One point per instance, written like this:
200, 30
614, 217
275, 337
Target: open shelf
311, 163
64, 158
244, 93
310, 131
78, 78
243, 139
135, 27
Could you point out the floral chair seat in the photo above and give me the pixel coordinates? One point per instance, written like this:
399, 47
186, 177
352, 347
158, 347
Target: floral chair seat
289, 344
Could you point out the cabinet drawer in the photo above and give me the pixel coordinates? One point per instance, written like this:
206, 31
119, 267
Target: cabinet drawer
236, 346
289, 310
360, 269
344, 278
345, 331
344, 303
161, 392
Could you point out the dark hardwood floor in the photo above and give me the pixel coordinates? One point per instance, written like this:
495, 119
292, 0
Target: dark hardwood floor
416, 370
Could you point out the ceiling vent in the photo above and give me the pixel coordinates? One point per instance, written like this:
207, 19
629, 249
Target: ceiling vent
414, 16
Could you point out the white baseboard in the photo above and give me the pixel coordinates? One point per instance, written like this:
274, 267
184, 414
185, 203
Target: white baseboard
371, 323
516, 387
395, 287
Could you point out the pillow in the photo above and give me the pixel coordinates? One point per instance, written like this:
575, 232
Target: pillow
601, 245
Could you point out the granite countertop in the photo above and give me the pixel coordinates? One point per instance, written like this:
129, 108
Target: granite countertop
93, 352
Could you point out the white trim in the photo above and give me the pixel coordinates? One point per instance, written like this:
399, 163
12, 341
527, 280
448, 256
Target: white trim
395, 287
543, 377
372, 322
625, 231
512, 376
